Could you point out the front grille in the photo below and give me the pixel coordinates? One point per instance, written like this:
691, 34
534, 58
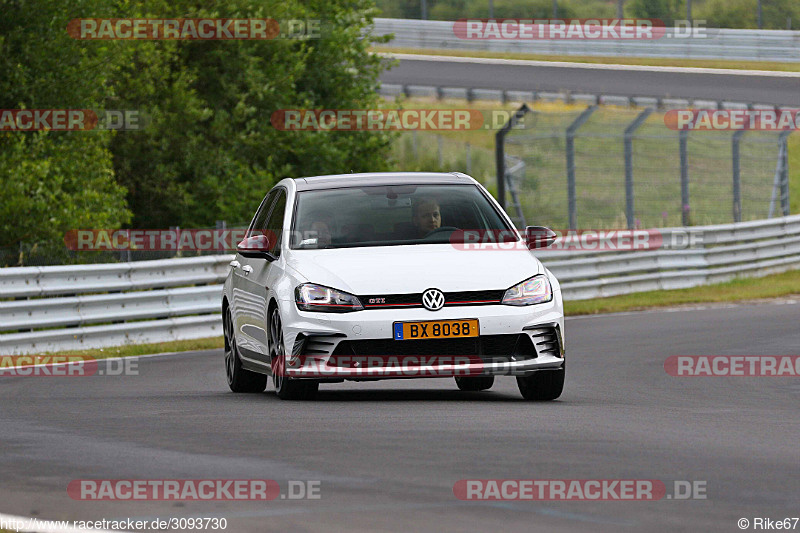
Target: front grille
398, 301
487, 347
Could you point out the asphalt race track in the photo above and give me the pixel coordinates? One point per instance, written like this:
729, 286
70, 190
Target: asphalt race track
625, 81
388, 453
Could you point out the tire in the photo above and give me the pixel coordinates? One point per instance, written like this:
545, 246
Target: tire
285, 388
239, 379
542, 386
474, 383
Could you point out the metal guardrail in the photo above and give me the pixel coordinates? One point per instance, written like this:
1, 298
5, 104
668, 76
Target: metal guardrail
75, 307
91, 306
722, 253
743, 45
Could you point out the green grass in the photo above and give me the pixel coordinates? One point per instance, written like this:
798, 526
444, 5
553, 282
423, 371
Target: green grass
743, 289
132, 350
640, 61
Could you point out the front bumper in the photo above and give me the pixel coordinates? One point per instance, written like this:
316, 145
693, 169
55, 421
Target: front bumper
321, 344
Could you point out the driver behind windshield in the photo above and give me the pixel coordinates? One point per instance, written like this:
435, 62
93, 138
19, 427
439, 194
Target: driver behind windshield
426, 216
318, 231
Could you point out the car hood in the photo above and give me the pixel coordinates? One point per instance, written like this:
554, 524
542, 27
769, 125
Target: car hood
414, 268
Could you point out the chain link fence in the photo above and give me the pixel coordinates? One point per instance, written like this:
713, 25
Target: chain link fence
430, 152
609, 167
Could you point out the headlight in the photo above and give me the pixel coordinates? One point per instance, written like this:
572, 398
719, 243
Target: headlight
535, 290
310, 297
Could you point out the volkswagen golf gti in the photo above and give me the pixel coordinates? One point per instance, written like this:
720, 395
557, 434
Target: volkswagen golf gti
390, 275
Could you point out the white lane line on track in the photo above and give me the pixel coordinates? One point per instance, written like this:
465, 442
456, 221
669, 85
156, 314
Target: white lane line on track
40, 525
592, 66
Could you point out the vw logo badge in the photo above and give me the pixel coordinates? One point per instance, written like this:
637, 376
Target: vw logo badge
433, 299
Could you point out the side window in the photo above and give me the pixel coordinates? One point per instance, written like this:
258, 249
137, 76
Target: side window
260, 220
275, 222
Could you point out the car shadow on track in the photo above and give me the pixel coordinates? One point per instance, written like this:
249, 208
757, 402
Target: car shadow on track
407, 395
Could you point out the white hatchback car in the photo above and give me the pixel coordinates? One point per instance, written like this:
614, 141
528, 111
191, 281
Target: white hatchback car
390, 275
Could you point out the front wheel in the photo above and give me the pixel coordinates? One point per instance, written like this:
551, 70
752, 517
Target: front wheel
543, 385
239, 379
286, 388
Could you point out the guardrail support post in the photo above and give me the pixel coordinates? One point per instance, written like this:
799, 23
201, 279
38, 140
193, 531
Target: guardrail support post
785, 175
737, 183
629, 131
500, 151
683, 137
571, 193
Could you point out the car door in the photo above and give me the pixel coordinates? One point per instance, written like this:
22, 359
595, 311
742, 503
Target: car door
258, 274
248, 299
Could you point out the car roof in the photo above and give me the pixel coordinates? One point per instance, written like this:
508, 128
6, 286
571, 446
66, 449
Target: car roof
335, 181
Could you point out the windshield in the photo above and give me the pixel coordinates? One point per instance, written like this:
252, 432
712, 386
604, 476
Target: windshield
392, 215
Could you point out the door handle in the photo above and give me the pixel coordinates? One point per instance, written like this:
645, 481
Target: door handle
247, 269
235, 264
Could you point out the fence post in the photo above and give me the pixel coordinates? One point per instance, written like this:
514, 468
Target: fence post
439, 147
469, 159
737, 182
684, 138
500, 162
500, 150
571, 193
629, 131
785, 175
220, 227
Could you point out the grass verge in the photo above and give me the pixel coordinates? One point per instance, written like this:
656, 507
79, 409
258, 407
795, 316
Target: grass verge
132, 350
638, 61
744, 289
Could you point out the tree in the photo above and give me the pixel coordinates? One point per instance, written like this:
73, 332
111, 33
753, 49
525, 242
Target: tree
51, 182
664, 10
207, 150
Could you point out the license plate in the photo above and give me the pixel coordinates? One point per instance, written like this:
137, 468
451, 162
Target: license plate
436, 329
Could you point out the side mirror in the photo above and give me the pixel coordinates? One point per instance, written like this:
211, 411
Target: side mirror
537, 237
258, 246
